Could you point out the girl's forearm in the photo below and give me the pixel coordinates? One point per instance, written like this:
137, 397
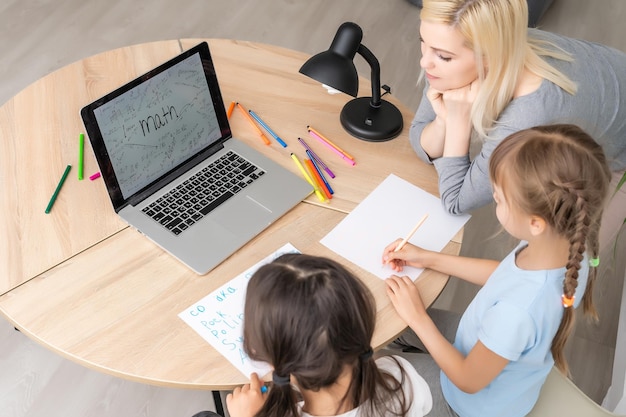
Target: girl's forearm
449, 359
469, 373
473, 270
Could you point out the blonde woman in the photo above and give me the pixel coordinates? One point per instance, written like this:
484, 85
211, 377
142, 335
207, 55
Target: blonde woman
489, 76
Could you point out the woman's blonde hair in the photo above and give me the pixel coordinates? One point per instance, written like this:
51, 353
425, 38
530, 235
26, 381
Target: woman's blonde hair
496, 30
560, 174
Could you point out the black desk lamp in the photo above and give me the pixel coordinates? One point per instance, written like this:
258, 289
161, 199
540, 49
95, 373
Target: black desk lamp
367, 118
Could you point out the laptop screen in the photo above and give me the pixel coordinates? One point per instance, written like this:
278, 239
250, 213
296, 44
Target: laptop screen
157, 125
150, 127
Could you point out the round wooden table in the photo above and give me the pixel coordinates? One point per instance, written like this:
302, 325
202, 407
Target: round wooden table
82, 283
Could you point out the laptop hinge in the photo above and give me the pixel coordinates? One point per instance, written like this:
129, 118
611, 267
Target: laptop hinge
172, 175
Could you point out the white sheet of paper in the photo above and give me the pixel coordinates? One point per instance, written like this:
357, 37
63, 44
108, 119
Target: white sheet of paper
386, 214
218, 317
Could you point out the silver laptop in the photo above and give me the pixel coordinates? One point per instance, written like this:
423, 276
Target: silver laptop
173, 170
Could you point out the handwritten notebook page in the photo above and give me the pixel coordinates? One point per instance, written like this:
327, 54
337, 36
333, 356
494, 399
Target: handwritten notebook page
386, 214
218, 317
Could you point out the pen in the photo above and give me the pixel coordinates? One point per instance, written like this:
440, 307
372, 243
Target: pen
316, 177
346, 154
266, 127
317, 158
319, 171
410, 235
230, 109
245, 113
318, 192
94, 176
81, 147
332, 148
56, 192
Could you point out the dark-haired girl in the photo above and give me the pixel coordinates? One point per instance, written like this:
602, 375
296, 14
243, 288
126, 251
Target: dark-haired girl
312, 321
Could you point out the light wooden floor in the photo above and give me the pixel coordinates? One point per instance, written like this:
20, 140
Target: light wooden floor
40, 36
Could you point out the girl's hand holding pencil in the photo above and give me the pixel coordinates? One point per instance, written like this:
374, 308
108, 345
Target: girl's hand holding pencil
409, 255
406, 258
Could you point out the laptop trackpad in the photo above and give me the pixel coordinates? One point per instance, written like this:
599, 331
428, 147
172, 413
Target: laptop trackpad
246, 217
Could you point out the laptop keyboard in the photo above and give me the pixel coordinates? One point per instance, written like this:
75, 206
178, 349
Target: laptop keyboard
190, 201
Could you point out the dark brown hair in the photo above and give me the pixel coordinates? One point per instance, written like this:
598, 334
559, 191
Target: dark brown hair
560, 174
310, 318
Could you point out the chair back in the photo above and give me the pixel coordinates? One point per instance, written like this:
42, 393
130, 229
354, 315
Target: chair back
560, 397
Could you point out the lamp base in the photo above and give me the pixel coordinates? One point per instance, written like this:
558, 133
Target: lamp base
374, 124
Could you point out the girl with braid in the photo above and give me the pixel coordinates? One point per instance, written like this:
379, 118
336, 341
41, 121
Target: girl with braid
550, 184
312, 321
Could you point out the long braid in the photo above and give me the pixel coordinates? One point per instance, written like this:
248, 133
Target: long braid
593, 249
575, 220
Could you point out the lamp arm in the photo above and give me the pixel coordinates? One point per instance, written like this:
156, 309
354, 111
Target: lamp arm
375, 76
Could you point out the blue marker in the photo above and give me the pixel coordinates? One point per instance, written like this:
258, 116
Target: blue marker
266, 127
263, 389
319, 171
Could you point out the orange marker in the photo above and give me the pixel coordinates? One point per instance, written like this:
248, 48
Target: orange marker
245, 113
230, 109
316, 177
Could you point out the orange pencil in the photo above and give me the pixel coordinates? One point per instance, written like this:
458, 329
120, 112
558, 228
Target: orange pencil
316, 177
258, 129
346, 154
230, 109
411, 233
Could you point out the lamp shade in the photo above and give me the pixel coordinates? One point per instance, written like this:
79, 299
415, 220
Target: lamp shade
333, 70
335, 67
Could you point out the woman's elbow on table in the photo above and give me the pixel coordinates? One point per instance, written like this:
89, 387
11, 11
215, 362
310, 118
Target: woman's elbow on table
450, 202
414, 139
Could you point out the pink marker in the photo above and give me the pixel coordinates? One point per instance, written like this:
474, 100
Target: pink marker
331, 147
94, 176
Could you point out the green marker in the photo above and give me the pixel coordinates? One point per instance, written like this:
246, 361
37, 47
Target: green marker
56, 192
81, 147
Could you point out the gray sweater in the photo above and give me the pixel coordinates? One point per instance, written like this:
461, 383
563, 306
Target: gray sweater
599, 107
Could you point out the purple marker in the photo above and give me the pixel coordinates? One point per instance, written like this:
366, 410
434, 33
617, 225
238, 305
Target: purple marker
317, 158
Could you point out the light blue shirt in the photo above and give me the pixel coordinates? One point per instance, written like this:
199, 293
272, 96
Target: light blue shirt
516, 315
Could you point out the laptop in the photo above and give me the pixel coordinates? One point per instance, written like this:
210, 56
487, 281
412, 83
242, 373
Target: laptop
173, 170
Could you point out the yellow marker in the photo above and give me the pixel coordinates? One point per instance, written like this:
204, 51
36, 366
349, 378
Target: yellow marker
318, 192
